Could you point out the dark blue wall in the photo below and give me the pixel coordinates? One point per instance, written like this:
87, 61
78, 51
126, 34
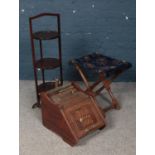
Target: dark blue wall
107, 26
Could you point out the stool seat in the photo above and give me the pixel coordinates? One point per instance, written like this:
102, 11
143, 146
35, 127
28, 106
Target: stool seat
100, 63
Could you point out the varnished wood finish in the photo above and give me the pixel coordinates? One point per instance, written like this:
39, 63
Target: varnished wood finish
45, 63
45, 35
105, 85
70, 113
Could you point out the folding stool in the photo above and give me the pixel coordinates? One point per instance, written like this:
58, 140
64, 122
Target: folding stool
106, 68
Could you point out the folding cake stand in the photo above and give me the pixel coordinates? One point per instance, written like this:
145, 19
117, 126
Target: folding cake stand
45, 63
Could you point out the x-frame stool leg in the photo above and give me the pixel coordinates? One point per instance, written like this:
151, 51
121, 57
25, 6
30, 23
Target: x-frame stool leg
105, 85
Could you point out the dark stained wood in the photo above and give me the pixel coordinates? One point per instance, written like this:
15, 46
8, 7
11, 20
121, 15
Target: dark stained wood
45, 63
44, 14
105, 85
70, 113
41, 55
45, 35
46, 86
